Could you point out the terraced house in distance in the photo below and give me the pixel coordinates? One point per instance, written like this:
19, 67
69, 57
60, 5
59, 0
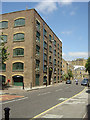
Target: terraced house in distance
35, 51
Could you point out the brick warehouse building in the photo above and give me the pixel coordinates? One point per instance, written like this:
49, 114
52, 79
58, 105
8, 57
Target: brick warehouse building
35, 51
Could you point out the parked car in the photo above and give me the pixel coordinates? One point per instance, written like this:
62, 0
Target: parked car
84, 82
68, 82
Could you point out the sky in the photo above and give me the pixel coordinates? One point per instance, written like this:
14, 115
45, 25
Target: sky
68, 20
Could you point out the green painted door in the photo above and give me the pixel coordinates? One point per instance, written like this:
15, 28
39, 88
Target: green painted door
18, 83
37, 80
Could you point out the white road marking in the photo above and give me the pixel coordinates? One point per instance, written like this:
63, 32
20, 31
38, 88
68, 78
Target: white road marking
44, 93
52, 116
14, 100
62, 98
75, 102
85, 115
58, 90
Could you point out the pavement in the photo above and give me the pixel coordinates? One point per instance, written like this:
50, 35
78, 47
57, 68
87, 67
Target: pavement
75, 107
19, 89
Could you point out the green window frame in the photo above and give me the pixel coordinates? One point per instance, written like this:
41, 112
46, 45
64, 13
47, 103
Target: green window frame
58, 54
58, 78
54, 52
18, 66
50, 48
19, 22
44, 79
38, 25
54, 61
50, 38
37, 63
3, 24
2, 67
38, 39
54, 78
45, 68
45, 32
37, 79
18, 37
55, 42
37, 49
58, 71
45, 57
3, 38
45, 45
58, 45
3, 79
37, 34
18, 52
50, 59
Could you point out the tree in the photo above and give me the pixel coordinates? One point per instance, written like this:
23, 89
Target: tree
87, 66
3, 50
65, 76
70, 74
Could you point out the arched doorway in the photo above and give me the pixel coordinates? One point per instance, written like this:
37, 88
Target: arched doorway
2, 79
18, 80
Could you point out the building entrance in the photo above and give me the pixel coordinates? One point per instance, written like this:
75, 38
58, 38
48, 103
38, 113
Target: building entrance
18, 80
2, 79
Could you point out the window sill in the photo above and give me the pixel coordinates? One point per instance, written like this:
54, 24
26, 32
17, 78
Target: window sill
18, 71
18, 40
19, 26
19, 56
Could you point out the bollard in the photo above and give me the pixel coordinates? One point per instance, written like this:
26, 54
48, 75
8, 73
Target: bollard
31, 85
46, 83
23, 85
6, 113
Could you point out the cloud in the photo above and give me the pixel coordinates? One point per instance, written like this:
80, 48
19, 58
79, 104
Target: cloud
78, 54
67, 32
46, 7
72, 13
74, 55
65, 2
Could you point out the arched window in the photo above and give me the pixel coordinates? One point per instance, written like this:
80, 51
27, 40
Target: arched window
18, 52
2, 67
18, 66
19, 22
4, 24
18, 37
3, 38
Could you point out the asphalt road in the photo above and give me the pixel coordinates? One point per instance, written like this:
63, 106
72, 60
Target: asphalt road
37, 101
